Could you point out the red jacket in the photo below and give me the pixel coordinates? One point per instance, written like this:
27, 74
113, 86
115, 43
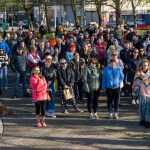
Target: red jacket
39, 88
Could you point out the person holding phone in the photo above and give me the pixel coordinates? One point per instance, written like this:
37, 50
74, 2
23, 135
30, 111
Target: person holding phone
39, 95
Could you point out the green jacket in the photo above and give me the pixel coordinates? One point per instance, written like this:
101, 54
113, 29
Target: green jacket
91, 79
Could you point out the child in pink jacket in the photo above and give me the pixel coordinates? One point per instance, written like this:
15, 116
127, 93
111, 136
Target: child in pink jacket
39, 95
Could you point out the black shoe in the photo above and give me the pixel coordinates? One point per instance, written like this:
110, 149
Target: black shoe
26, 95
1, 92
147, 124
142, 122
79, 110
120, 106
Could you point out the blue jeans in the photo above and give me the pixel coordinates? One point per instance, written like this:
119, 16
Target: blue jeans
50, 106
19, 76
3, 77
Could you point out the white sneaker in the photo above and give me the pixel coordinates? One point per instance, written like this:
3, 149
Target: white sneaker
47, 114
116, 116
96, 116
66, 112
137, 101
91, 116
133, 101
52, 115
122, 94
110, 115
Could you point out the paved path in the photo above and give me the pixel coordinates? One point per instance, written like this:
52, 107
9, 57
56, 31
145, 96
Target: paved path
72, 131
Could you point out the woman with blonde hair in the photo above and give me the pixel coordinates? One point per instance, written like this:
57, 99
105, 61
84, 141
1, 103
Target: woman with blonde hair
85, 53
142, 86
39, 95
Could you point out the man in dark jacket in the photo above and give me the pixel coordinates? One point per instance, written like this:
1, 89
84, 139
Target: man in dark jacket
78, 64
66, 80
125, 56
18, 65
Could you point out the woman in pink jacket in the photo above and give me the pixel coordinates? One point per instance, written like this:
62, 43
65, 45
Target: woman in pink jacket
39, 95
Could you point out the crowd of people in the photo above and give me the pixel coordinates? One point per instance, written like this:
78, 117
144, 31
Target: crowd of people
112, 61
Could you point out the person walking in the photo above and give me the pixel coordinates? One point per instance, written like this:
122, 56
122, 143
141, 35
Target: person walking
91, 82
142, 84
111, 81
39, 95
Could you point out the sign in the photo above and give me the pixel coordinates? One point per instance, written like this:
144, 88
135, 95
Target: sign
143, 27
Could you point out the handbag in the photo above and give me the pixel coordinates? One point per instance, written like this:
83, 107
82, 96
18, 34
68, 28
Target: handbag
68, 93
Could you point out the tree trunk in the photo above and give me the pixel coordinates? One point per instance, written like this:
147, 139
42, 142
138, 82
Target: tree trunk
99, 11
134, 13
74, 11
118, 13
29, 18
47, 18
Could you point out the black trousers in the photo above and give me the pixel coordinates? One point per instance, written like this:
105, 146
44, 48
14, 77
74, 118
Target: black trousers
112, 95
92, 103
78, 90
40, 108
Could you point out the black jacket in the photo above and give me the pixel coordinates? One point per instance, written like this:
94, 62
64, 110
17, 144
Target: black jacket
77, 68
49, 73
65, 77
125, 56
132, 68
18, 63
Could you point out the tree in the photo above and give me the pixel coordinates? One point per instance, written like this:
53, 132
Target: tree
28, 5
98, 4
73, 5
118, 5
134, 4
47, 17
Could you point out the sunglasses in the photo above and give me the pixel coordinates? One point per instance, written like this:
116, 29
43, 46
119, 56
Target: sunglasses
63, 63
94, 63
114, 54
136, 52
37, 70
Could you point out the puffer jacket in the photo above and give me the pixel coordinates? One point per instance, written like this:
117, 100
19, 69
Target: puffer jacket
112, 77
65, 77
18, 63
39, 87
91, 79
49, 73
